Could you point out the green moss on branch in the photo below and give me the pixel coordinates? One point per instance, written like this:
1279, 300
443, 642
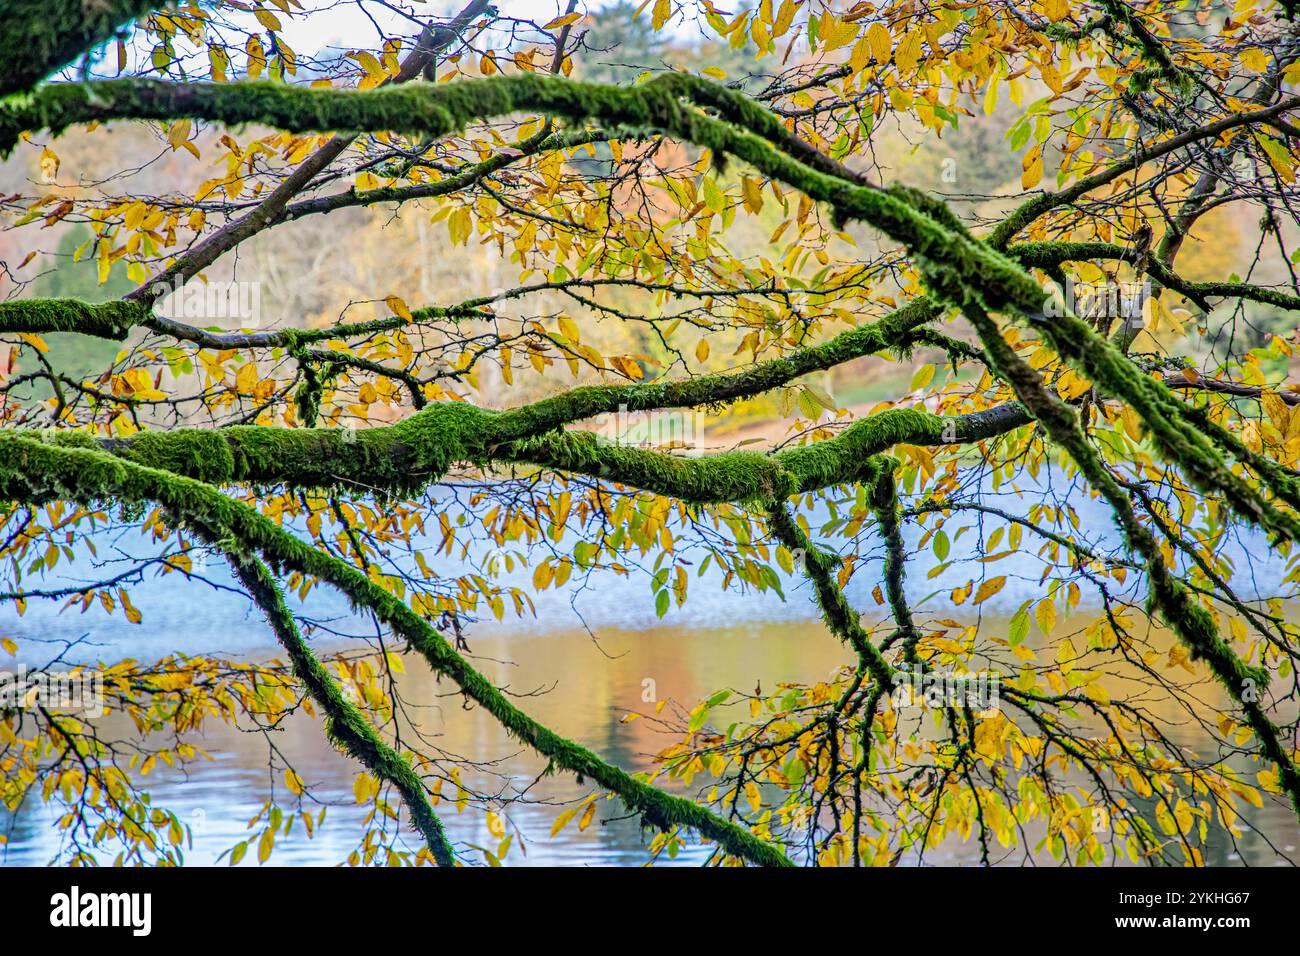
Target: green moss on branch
108, 320
345, 725
408, 456
1169, 597
822, 568
31, 470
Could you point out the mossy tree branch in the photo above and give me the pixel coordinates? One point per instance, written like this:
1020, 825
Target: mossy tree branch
31, 470
106, 320
821, 568
955, 265
420, 449
345, 725
884, 502
408, 456
1190, 622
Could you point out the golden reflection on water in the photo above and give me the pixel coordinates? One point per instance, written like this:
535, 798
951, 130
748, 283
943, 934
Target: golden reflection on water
582, 689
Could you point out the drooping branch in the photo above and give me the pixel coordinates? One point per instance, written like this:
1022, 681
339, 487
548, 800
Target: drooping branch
820, 567
883, 497
32, 470
1192, 624
345, 725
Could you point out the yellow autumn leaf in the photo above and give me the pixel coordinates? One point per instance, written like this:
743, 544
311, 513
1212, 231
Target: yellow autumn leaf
128, 608
178, 133
267, 19
49, 164
265, 845
1254, 59
991, 97
564, 21
398, 307
882, 43
989, 588
837, 33
662, 11
908, 52
1033, 168
361, 788
563, 820
1045, 615
246, 379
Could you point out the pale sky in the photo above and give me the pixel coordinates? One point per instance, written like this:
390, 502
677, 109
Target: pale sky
330, 27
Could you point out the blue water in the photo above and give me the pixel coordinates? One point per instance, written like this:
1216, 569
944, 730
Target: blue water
191, 618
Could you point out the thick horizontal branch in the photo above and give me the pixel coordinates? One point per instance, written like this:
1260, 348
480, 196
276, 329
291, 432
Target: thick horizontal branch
107, 320
407, 456
753, 477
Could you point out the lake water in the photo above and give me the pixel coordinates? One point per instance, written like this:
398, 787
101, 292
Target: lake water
585, 660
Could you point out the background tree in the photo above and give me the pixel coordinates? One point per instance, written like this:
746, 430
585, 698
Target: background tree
744, 235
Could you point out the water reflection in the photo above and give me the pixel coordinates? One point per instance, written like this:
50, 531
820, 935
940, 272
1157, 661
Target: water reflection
584, 690
580, 682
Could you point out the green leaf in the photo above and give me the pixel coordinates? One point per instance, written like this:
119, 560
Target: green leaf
1018, 629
